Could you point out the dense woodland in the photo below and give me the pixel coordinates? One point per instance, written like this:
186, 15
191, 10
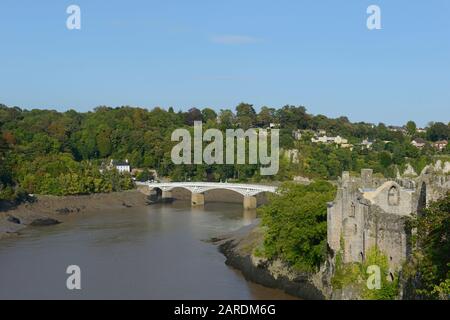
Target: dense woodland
51, 152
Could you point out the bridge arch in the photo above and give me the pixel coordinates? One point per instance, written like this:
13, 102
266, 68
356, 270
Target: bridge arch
249, 193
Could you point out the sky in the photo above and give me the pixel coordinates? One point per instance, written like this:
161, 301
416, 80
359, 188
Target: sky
204, 53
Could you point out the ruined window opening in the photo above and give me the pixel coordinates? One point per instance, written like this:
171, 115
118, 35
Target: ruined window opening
391, 277
393, 196
353, 210
422, 203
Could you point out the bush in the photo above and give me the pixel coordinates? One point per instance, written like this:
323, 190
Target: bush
355, 274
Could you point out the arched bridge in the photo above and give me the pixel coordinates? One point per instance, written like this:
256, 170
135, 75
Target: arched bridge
197, 189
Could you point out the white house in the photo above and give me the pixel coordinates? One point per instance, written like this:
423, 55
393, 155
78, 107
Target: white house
273, 125
121, 166
324, 139
366, 143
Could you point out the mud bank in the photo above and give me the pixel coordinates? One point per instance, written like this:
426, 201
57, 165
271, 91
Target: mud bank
49, 210
238, 248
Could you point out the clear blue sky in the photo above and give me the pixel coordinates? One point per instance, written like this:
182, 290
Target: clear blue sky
316, 53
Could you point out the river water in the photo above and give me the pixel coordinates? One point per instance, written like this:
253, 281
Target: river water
156, 252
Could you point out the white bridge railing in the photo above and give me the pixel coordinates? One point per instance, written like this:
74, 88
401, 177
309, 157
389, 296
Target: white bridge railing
247, 190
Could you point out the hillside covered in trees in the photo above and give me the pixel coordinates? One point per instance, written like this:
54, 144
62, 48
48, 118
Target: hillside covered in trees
51, 152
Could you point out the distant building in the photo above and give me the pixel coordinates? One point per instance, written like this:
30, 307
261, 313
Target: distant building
121, 166
440, 145
323, 139
421, 130
273, 125
418, 143
329, 140
397, 129
367, 144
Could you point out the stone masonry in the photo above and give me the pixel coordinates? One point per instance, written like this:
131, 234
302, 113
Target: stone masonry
369, 211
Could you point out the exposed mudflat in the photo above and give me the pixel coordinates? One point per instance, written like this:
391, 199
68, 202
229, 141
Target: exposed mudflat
49, 210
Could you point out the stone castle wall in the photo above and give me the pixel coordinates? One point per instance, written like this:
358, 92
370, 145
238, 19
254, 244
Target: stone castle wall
371, 212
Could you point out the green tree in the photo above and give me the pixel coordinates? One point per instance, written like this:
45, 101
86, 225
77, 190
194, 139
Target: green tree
193, 115
296, 224
411, 127
438, 131
432, 256
265, 117
208, 114
245, 115
226, 119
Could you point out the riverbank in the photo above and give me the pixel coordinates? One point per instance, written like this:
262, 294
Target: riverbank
238, 248
48, 210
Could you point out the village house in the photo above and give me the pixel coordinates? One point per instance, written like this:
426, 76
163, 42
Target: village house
366, 144
330, 140
418, 143
121, 166
273, 126
421, 130
397, 129
440, 145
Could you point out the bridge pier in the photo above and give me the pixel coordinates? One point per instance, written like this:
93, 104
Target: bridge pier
197, 199
249, 216
250, 202
166, 196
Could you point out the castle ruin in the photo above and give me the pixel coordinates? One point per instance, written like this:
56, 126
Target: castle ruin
371, 212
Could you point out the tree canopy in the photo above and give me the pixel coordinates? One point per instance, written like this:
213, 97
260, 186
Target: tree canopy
143, 137
296, 224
